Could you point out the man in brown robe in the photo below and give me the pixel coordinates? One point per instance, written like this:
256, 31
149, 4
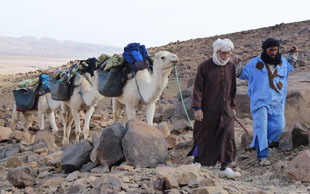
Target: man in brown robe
214, 101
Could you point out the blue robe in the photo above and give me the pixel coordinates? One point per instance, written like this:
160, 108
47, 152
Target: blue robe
267, 99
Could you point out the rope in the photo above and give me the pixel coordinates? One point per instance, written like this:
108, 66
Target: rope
138, 86
180, 92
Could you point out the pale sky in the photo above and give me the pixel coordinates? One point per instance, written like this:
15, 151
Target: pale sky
151, 22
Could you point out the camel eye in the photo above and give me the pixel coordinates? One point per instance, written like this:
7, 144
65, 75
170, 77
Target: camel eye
162, 57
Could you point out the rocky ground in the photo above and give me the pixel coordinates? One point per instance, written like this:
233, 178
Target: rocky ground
34, 162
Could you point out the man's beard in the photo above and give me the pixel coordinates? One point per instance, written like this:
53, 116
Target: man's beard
269, 60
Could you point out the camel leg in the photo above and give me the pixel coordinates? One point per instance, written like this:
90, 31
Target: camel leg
88, 115
41, 120
76, 117
66, 123
51, 119
28, 121
130, 112
150, 111
117, 108
15, 116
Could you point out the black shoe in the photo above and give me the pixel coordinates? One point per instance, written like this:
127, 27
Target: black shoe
196, 159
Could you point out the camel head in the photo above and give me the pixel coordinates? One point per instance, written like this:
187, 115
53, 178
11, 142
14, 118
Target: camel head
165, 61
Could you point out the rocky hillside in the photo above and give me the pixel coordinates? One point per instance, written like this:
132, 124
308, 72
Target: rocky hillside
157, 162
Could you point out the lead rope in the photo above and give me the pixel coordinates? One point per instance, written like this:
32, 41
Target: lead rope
180, 92
138, 86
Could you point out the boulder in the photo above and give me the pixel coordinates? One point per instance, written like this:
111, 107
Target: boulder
108, 148
300, 135
22, 177
299, 167
144, 145
74, 157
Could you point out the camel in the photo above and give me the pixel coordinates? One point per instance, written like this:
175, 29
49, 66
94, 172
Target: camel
85, 97
151, 87
46, 105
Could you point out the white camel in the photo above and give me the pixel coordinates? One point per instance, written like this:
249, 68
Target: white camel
150, 85
85, 96
46, 105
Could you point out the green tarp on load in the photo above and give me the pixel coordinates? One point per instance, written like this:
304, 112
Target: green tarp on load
28, 83
115, 60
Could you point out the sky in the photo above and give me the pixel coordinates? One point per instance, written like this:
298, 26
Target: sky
151, 22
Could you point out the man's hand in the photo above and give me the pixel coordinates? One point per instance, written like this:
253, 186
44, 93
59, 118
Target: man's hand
235, 60
198, 115
234, 112
294, 49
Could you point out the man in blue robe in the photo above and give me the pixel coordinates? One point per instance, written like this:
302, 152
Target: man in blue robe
267, 77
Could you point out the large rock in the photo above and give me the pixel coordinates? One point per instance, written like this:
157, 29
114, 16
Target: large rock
22, 177
299, 168
5, 133
74, 157
300, 135
108, 148
144, 145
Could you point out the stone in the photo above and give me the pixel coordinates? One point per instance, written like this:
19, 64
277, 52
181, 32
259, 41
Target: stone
210, 190
47, 137
285, 142
185, 93
8, 151
172, 140
53, 182
22, 177
41, 151
246, 140
232, 189
110, 185
144, 145
169, 109
73, 176
179, 110
53, 158
23, 137
14, 162
299, 168
164, 128
186, 176
179, 125
300, 135
206, 182
76, 156
108, 148
29, 190
5, 133
184, 144
87, 167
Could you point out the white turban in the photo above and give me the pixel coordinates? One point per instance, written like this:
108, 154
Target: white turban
221, 45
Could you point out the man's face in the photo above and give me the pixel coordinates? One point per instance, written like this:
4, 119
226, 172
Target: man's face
224, 55
272, 51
